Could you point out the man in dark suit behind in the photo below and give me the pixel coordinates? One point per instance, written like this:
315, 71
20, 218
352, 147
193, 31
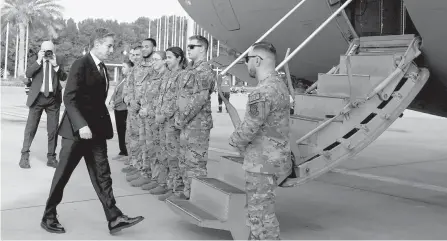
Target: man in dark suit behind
44, 94
85, 127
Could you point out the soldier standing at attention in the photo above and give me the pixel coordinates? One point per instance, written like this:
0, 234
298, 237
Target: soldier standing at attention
136, 80
263, 139
152, 159
194, 117
169, 135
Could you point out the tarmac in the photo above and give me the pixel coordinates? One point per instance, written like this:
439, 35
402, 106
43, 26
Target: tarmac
395, 189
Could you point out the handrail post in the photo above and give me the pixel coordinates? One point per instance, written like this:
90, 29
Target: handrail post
263, 36
318, 30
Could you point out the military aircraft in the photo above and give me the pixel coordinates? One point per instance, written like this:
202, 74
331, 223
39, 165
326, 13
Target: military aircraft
369, 59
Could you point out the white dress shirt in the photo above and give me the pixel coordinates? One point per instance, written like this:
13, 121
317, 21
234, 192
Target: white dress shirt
97, 62
50, 85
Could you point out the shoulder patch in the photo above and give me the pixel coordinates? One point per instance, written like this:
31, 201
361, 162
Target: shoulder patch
254, 97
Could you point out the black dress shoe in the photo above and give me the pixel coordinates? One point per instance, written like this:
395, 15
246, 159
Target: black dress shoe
52, 225
123, 222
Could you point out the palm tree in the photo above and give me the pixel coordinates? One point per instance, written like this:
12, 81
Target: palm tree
31, 13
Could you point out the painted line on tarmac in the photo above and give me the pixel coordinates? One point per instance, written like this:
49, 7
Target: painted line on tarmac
391, 180
368, 176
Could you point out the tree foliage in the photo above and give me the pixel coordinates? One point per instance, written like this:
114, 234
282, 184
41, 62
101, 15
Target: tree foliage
73, 38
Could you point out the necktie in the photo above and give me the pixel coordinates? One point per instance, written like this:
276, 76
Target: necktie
47, 79
101, 70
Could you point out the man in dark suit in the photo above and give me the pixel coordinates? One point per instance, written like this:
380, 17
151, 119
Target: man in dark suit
85, 127
44, 94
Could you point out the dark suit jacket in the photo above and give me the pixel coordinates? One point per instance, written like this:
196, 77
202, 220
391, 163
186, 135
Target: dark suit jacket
35, 72
84, 98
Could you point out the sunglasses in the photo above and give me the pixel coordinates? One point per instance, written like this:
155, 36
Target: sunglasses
247, 57
192, 46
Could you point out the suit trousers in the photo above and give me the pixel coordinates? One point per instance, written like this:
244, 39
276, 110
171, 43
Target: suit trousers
120, 119
226, 95
94, 152
52, 107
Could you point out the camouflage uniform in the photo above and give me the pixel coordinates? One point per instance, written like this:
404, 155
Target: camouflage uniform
263, 137
195, 120
150, 129
133, 100
169, 135
127, 134
132, 129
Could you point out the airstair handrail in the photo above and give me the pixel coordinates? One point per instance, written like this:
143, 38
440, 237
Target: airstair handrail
318, 30
263, 36
411, 53
323, 125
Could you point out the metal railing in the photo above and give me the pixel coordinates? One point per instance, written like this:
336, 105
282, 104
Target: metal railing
264, 36
318, 30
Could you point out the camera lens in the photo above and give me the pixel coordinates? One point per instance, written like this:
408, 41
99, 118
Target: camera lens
48, 53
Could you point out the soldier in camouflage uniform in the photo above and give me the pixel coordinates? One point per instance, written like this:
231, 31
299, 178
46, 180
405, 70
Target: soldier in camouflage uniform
137, 78
132, 135
150, 130
194, 117
169, 135
263, 139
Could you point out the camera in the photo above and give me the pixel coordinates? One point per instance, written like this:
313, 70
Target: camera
48, 54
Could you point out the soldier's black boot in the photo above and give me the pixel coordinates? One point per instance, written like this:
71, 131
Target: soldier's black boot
220, 109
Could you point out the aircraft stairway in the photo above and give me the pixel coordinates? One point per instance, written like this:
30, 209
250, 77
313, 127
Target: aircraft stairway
346, 110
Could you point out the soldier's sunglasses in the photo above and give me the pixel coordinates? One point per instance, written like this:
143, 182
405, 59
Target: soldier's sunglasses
192, 46
247, 57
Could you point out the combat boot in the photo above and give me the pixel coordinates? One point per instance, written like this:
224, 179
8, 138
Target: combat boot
149, 186
132, 172
178, 196
133, 177
140, 181
165, 196
24, 161
128, 169
52, 162
158, 190
220, 109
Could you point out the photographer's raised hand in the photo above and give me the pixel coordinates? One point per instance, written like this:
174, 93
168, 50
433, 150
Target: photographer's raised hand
53, 61
40, 56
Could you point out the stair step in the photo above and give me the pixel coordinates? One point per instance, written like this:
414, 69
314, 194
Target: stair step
191, 212
231, 172
339, 85
317, 106
214, 196
372, 65
389, 41
220, 185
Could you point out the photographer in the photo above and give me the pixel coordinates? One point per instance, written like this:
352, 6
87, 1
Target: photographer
45, 93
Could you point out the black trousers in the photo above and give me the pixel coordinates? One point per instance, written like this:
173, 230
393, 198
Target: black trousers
52, 108
120, 120
225, 94
94, 152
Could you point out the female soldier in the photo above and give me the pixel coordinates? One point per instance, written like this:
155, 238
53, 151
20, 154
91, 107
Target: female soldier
169, 136
150, 132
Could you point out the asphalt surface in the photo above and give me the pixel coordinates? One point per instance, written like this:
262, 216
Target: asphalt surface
395, 189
